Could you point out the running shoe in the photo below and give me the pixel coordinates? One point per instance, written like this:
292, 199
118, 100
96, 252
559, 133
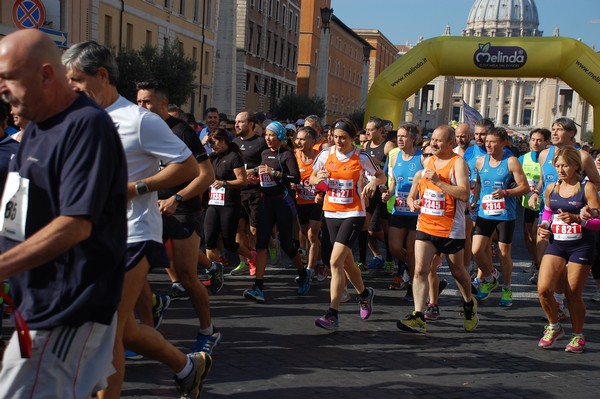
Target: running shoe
432, 312
408, 297
576, 345
413, 323
191, 386
398, 283
345, 296
255, 293
471, 319
534, 278
388, 267
475, 285
240, 269
206, 343
362, 266
303, 256
304, 284
178, 293
442, 286
252, 262
366, 305
223, 260
596, 296
327, 322
486, 288
563, 312
550, 336
506, 299
322, 272
131, 355
376, 263
158, 310
216, 278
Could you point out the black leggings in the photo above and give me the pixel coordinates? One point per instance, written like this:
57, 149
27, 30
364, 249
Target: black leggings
280, 212
222, 220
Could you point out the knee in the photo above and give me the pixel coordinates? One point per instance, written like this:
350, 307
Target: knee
545, 293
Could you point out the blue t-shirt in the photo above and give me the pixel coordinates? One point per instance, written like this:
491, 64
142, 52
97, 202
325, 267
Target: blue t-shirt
492, 178
75, 165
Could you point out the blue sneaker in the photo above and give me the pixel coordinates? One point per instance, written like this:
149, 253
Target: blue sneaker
304, 285
255, 293
376, 263
486, 288
206, 343
131, 355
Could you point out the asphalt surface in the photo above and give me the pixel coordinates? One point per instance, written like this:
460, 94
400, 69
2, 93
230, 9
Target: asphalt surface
274, 350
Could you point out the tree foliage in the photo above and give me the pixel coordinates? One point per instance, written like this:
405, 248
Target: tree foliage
293, 105
169, 64
358, 117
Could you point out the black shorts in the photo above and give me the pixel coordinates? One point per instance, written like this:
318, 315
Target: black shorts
378, 211
530, 215
250, 202
344, 231
180, 227
486, 227
155, 252
404, 222
308, 212
443, 245
577, 251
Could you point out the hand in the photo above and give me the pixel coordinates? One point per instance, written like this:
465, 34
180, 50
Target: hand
431, 175
543, 231
369, 190
587, 213
385, 196
473, 206
415, 206
217, 184
167, 206
568, 217
253, 179
498, 193
319, 197
534, 200
322, 175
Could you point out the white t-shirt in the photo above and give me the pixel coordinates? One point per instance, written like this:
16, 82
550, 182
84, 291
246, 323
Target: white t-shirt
147, 140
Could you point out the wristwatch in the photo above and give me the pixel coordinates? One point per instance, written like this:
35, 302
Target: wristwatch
178, 198
224, 183
141, 188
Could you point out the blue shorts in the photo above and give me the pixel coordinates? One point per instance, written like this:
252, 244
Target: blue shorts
576, 251
155, 252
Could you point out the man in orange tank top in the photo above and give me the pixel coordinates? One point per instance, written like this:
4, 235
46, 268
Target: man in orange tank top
443, 188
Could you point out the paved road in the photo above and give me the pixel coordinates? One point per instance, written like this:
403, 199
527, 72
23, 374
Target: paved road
274, 351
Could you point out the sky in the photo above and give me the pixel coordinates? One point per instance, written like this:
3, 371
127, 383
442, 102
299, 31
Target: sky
403, 21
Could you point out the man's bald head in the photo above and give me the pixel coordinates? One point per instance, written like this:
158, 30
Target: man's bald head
32, 77
463, 135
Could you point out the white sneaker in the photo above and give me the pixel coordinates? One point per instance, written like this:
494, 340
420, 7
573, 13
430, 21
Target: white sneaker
345, 296
596, 296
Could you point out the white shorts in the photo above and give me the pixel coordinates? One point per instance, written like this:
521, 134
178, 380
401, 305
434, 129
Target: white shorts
66, 362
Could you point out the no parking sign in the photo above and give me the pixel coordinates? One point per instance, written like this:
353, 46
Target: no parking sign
28, 14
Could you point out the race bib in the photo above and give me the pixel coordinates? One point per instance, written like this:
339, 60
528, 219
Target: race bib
564, 231
266, 180
216, 196
400, 205
492, 206
15, 202
340, 191
306, 191
434, 203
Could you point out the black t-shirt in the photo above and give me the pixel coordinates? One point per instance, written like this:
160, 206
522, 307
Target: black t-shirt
8, 148
75, 165
251, 150
224, 164
190, 138
377, 153
282, 161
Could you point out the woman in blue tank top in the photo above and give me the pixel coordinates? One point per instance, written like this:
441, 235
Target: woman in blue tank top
570, 243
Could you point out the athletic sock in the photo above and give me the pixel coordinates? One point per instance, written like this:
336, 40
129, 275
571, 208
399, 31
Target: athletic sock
189, 367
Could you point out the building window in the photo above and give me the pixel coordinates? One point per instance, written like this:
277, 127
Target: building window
258, 41
148, 38
256, 82
277, 11
275, 51
181, 7
296, 23
107, 30
251, 3
206, 62
247, 81
289, 59
281, 54
260, 5
265, 86
129, 37
291, 27
208, 13
168, 4
284, 15
270, 10
196, 10
194, 53
268, 46
250, 36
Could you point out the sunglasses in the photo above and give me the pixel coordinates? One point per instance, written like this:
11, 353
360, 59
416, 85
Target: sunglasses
427, 154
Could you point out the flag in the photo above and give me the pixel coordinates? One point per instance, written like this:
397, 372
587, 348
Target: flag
470, 114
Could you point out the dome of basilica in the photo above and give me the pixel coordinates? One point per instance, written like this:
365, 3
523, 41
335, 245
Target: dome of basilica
503, 18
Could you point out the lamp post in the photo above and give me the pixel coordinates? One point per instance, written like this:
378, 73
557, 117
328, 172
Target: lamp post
323, 64
364, 87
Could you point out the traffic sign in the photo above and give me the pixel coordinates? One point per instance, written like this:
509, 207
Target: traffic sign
58, 37
28, 14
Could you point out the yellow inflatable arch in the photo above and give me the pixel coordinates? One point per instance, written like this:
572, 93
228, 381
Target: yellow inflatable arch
568, 59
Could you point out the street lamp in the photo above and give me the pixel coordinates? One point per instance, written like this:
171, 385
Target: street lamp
326, 14
323, 62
